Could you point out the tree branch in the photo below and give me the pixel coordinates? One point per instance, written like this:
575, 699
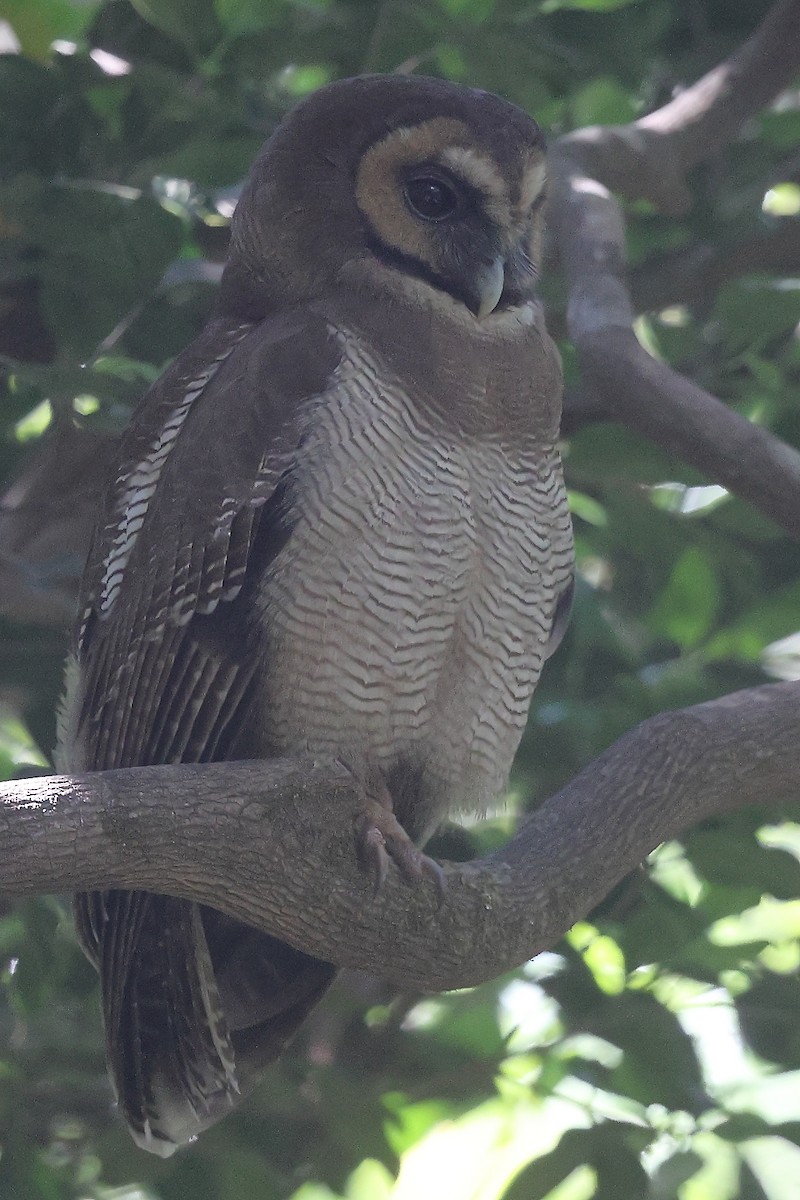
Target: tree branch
272, 844
674, 412
707, 115
648, 159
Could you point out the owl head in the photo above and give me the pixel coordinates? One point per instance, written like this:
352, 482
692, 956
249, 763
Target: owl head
412, 189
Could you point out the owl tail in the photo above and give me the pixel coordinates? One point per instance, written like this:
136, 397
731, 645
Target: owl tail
195, 1005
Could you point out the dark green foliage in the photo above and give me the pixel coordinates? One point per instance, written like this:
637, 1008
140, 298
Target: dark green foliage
591, 1065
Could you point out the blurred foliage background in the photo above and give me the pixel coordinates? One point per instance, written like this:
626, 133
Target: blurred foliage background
655, 1053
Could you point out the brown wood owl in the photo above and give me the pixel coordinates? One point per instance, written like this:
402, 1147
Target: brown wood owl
336, 524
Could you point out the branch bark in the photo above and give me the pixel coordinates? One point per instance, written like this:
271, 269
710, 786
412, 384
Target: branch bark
648, 159
709, 114
271, 843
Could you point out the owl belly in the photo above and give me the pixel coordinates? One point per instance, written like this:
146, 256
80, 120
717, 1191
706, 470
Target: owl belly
409, 610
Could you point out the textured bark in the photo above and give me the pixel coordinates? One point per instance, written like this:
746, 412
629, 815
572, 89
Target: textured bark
272, 842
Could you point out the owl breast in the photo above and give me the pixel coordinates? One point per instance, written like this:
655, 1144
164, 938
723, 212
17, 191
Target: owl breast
408, 613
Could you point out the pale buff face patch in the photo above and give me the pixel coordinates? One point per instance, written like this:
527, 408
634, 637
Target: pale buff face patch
377, 192
448, 143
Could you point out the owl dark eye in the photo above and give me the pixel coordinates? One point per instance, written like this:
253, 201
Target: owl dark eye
431, 198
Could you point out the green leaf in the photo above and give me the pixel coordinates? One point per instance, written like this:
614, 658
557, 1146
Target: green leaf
210, 161
587, 508
753, 314
238, 17
246, 1174
686, 608
190, 22
476, 11
38, 25
770, 921
410, 1122
781, 129
602, 102
731, 856
370, 1181
773, 616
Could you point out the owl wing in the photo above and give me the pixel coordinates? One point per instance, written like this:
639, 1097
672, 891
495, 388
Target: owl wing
163, 671
196, 511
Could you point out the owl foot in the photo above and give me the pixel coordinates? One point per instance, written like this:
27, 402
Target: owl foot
381, 837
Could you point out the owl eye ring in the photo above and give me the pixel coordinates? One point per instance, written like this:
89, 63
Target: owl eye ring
431, 198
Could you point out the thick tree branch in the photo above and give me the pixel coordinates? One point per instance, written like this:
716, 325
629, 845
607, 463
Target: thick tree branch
649, 158
272, 842
588, 223
707, 115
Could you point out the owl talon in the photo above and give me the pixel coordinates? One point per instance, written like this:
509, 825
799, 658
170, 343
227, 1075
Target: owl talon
372, 847
435, 873
381, 837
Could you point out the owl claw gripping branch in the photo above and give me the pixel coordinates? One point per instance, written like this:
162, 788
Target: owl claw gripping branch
381, 838
337, 524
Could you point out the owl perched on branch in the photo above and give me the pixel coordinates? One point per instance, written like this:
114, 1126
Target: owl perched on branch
337, 524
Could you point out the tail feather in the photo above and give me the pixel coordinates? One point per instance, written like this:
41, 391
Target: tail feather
195, 1005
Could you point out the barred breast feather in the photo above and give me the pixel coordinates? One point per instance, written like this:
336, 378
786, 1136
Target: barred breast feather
409, 614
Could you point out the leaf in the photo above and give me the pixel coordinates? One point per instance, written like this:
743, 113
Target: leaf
767, 1013
110, 255
781, 129
210, 161
602, 102
476, 11
688, 604
659, 1064
587, 508
773, 616
410, 1122
731, 856
38, 25
190, 22
245, 1174
370, 1181
752, 313
769, 921
671, 1174
238, 17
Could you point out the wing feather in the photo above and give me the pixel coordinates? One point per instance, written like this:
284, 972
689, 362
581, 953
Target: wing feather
203, 479
167, 655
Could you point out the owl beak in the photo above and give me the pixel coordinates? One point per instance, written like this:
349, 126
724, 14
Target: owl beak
489, 285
